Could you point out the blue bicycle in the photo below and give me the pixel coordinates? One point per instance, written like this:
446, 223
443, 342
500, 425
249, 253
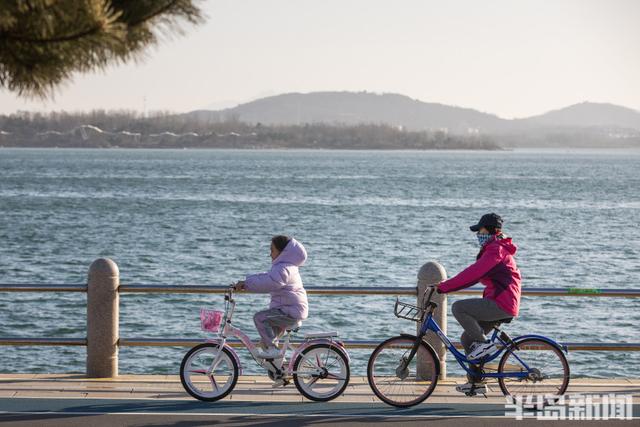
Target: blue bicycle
531, 366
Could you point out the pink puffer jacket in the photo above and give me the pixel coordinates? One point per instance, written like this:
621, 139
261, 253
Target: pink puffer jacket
496, 269
283, 282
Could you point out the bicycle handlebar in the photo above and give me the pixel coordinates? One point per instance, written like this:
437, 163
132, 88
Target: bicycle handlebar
228, 295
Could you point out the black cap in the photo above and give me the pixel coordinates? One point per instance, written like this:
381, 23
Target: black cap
490, 221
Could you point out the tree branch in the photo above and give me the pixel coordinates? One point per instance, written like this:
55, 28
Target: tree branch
62, 39
90, 31
154, 14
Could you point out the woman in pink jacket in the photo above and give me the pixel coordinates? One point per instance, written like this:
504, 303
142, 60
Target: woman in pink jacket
496, 269
288, 298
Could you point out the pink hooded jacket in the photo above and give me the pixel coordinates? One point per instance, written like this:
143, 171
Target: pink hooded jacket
283, 282
496, 269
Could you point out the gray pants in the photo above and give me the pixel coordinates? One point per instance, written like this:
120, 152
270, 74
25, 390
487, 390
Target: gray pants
477, 316
271, 324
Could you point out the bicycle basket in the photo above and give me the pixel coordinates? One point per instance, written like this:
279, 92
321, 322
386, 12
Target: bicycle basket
403, 310
210, 320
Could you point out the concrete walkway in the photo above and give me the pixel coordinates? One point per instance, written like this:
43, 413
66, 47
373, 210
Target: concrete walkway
72, 400
255, 389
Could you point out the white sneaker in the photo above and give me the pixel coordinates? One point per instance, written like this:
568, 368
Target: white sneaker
481, 349
269, 353
471, 389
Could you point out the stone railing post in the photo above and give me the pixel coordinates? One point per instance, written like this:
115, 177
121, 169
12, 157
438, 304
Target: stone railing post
429, 274
102, 319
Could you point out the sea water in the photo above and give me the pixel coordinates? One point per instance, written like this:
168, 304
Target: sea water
367, 218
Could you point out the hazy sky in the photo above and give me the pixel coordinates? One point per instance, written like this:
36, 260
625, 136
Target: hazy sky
511, 58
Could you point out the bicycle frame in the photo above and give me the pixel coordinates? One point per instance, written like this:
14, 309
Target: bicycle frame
271, 365
429, 324
230, 330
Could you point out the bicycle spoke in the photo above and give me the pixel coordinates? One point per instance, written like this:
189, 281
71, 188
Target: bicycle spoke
548, 374
204, 383
401, 387
213, 382
313, 381
334, 376
321, 373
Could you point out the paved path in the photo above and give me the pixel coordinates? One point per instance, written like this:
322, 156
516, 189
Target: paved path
159, 400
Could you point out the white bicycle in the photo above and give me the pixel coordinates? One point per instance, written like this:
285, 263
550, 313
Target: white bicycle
319, 366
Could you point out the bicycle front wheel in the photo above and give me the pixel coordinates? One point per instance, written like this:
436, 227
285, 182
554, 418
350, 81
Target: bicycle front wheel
547, 373
203, 383
394, 381
321, 372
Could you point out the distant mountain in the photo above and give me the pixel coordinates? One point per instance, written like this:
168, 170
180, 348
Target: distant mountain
331, 120
355, 108
587, 114
398, 110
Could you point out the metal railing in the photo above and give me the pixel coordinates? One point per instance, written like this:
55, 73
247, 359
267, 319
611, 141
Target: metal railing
318, 290
190, 342
103, 298
324, 290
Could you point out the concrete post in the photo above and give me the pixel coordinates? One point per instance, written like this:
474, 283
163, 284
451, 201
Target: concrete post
103, 319
430, 274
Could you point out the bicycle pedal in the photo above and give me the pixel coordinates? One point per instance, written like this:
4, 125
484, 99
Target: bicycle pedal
280, 383
475, 393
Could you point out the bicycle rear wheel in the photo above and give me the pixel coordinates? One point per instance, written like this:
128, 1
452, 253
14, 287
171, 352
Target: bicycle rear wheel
402, 387
321, 372
548, 373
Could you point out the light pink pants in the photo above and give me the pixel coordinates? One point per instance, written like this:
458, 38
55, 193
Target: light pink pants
271, 324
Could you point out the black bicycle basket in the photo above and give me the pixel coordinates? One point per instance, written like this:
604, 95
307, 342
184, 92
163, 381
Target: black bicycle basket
403, 310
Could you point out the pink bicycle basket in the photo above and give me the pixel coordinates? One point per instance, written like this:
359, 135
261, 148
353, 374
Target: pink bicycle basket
210, 320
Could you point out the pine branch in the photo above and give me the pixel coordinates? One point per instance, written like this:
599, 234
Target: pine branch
43, 42
71, 37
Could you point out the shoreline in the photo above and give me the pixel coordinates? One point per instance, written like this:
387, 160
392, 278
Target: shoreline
541, 149
256, 149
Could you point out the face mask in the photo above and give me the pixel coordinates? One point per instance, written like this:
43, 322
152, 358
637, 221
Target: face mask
483, 239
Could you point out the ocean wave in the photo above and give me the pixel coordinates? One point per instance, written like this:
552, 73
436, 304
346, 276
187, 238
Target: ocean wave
331, 201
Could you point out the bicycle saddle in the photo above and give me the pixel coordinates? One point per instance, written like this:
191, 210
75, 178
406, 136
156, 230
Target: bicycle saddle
294, 328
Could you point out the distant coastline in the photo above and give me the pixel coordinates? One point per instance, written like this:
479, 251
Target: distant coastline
331, 121
167, 134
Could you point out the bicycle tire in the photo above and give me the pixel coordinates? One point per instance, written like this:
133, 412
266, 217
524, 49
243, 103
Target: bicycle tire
185, 381
510, 389
431, 362
339, 356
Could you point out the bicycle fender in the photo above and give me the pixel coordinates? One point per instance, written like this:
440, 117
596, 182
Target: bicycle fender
561, 347
338, 345
429, 348
231, 350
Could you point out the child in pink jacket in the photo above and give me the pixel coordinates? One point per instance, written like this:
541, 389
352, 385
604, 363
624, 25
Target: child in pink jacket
496, 269
288, 298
